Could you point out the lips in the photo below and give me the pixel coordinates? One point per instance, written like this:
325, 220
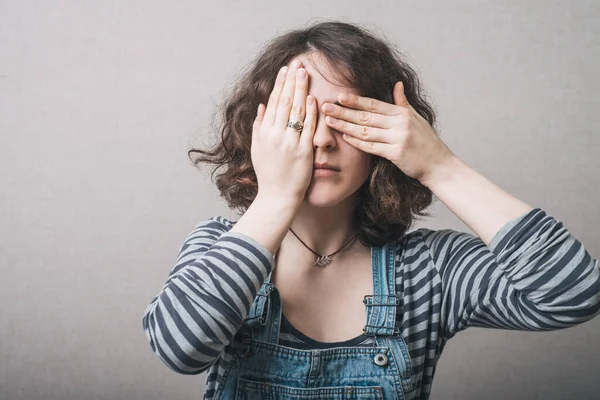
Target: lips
325, 166
324, 172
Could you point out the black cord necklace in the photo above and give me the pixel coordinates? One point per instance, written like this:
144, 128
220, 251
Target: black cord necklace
323, 260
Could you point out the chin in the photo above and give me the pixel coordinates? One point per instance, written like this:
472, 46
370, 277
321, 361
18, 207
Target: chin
322, 196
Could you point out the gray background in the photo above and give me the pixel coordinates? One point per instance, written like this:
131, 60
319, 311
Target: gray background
99, 102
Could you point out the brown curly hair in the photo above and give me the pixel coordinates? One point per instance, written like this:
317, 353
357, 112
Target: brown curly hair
389, 201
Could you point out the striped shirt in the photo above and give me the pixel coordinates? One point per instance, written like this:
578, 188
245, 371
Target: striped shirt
534, 275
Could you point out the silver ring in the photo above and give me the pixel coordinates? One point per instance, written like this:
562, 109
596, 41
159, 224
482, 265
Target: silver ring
297, 126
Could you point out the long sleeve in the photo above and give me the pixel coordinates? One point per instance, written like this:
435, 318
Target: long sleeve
533, 276
206, 297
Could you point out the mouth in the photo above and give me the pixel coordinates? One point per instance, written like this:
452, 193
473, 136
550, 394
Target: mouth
324, 172
326, 166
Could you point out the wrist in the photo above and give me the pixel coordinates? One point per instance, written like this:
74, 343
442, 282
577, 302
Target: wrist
278, 202
442, 172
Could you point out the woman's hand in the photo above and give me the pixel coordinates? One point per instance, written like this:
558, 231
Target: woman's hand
393, 131
283, 157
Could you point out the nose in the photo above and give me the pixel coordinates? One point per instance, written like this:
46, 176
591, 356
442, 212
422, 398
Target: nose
324, 137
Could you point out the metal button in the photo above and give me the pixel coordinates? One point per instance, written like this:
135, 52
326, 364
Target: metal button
380, 359
246, 351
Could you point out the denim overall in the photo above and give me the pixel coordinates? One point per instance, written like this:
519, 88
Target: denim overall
262, 369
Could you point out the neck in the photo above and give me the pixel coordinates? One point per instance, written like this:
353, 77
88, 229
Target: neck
325, 229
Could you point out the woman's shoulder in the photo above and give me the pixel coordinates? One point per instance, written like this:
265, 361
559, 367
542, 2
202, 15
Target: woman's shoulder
419, 235
216, 222
424, 239
429, 236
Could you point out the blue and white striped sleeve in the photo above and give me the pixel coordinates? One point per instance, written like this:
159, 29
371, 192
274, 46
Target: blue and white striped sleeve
533, 276
206, 297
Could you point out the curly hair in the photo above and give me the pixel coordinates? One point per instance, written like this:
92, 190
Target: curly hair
389, 201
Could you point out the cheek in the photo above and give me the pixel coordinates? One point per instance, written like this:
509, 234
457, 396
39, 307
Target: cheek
359, 163
365, 167
350, 151
357, 157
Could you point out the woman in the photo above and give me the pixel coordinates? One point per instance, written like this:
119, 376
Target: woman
318, 291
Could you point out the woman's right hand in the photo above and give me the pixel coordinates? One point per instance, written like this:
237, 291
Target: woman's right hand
281, 156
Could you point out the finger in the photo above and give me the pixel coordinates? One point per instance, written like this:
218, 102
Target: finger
379, 149
363, 132
258, 119
359, 117
282, 115
399, 96
310, 122
368, 104
269, 116
299, 107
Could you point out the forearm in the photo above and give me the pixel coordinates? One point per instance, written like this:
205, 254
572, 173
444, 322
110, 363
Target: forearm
207, 296
479, 203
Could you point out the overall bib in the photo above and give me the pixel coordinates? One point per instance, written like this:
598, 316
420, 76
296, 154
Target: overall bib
262, 369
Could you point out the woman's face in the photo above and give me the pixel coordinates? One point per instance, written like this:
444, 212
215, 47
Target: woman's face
328, 144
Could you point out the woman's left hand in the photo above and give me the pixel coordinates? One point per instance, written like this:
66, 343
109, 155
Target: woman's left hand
393, 131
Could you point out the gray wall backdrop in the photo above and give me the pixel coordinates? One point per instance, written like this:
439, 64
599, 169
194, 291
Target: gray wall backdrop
99, 101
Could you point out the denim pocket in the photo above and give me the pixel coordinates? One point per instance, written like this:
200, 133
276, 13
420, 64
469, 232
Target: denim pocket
255, 390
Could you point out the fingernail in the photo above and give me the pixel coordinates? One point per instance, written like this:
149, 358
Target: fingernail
331, 120
309, 100
344, 97
301, 73
296, 64
329, 108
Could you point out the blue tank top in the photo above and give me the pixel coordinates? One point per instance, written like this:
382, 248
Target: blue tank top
289, 336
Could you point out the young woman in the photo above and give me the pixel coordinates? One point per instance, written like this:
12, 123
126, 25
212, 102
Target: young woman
318, 291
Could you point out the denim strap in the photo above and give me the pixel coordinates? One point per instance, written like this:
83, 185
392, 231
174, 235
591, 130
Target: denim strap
381, 306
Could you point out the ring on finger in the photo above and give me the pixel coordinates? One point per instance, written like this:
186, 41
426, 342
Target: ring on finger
296, 125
